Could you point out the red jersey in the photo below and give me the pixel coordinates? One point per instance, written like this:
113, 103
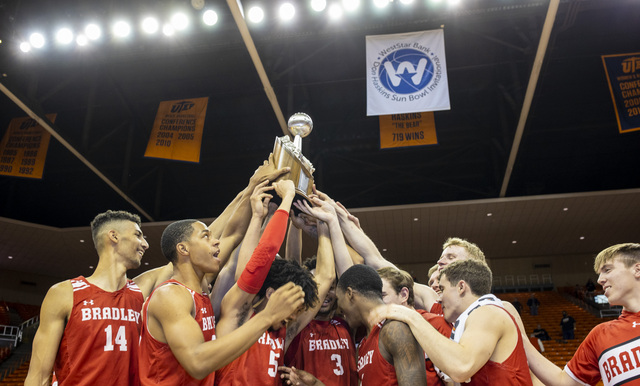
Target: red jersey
99, 345
513, 371
158, 365
373, 369
440, 324
436, 308
259, 364
610, 352
325, 349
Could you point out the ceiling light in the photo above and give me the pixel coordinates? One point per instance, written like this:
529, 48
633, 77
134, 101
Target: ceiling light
10, 257
384, 249
179, 21
287, 11
565, 209
581, 237
82, 241
256, 14
318, 5
82, 40
25, 47
64, 36
168, 30
415, 219
91, 267
335, 11
37, 40
210, 17
150, 25
93, 31
489, 214
146, 263
381, 3
121, 29
350, 5
514, 242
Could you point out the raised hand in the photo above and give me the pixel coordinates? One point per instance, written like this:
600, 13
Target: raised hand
260, 199
285, 188
268, 172
322, 210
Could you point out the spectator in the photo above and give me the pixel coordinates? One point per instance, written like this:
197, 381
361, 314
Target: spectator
533, 304
591, 287
541, 333
568, 324
517, 305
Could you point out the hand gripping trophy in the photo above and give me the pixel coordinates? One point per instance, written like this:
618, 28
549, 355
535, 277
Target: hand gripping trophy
287, 153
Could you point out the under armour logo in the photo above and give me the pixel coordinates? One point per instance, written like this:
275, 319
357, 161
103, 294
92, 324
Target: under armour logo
203, 310
311, 334
635, 324
91, 302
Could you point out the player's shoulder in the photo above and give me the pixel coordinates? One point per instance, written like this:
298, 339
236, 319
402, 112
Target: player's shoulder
171, 295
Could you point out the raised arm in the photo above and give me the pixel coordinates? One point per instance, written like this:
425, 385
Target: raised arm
54, 313
547, 372
397, 341
152, 278
293, 248
170, 311
236, 304
324, 277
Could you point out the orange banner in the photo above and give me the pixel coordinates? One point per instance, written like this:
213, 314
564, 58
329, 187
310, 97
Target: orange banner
24, 147
177, 130
412, 129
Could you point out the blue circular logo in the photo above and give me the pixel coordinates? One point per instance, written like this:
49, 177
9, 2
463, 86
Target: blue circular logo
405, 71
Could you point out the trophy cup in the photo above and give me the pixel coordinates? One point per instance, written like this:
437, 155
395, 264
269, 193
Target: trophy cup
287, 153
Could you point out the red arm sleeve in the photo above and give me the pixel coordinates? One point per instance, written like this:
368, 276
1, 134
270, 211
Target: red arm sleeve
257, 268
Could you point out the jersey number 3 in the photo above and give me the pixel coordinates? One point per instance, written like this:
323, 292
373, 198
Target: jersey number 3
121, 339
339, 370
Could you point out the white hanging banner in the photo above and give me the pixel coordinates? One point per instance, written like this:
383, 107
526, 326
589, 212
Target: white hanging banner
406, 73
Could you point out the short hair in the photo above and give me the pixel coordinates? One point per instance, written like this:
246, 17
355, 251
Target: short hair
398, 279
363, 279
433, 269
629, 254
473, 250
175, 233
475, 273
284, 271
102, 220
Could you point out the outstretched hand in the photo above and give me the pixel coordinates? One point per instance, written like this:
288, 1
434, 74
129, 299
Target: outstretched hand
391, 311
285, 188
322, 210
304, 222
293, 376
268, 172
260, 199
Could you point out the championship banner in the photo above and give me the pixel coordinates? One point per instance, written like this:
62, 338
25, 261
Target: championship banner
413, 129
623, 76
406, 73
177, 130
24, 147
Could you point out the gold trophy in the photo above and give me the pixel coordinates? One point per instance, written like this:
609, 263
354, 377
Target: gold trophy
287, 153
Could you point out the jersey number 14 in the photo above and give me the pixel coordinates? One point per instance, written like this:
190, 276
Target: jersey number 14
121, 339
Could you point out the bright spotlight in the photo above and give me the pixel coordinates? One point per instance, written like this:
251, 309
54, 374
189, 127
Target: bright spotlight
121, 29
210, 17
318, 5
150, 25
25, 47
256, 14
287, 11
93, 31
168, 30
381, 3
335, 11
350, 5
82, 40
64, 36
37, 40
179, 21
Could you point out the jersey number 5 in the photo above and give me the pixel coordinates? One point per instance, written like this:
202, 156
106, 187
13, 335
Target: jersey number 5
121, 339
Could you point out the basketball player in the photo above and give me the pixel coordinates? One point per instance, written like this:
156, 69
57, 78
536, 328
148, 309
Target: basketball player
389, 354
611, 351
486, 346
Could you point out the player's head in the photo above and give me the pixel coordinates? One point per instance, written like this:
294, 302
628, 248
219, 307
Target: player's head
357, 281
173, 234
434, 281
455, 249
121, 230
397, 286
627, 253
329, 303
284, 271
108, 220
461, 282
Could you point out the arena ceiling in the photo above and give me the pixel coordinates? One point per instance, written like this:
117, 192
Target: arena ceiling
497, 144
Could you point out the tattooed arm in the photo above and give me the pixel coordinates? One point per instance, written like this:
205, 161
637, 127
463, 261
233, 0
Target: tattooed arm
400, 348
